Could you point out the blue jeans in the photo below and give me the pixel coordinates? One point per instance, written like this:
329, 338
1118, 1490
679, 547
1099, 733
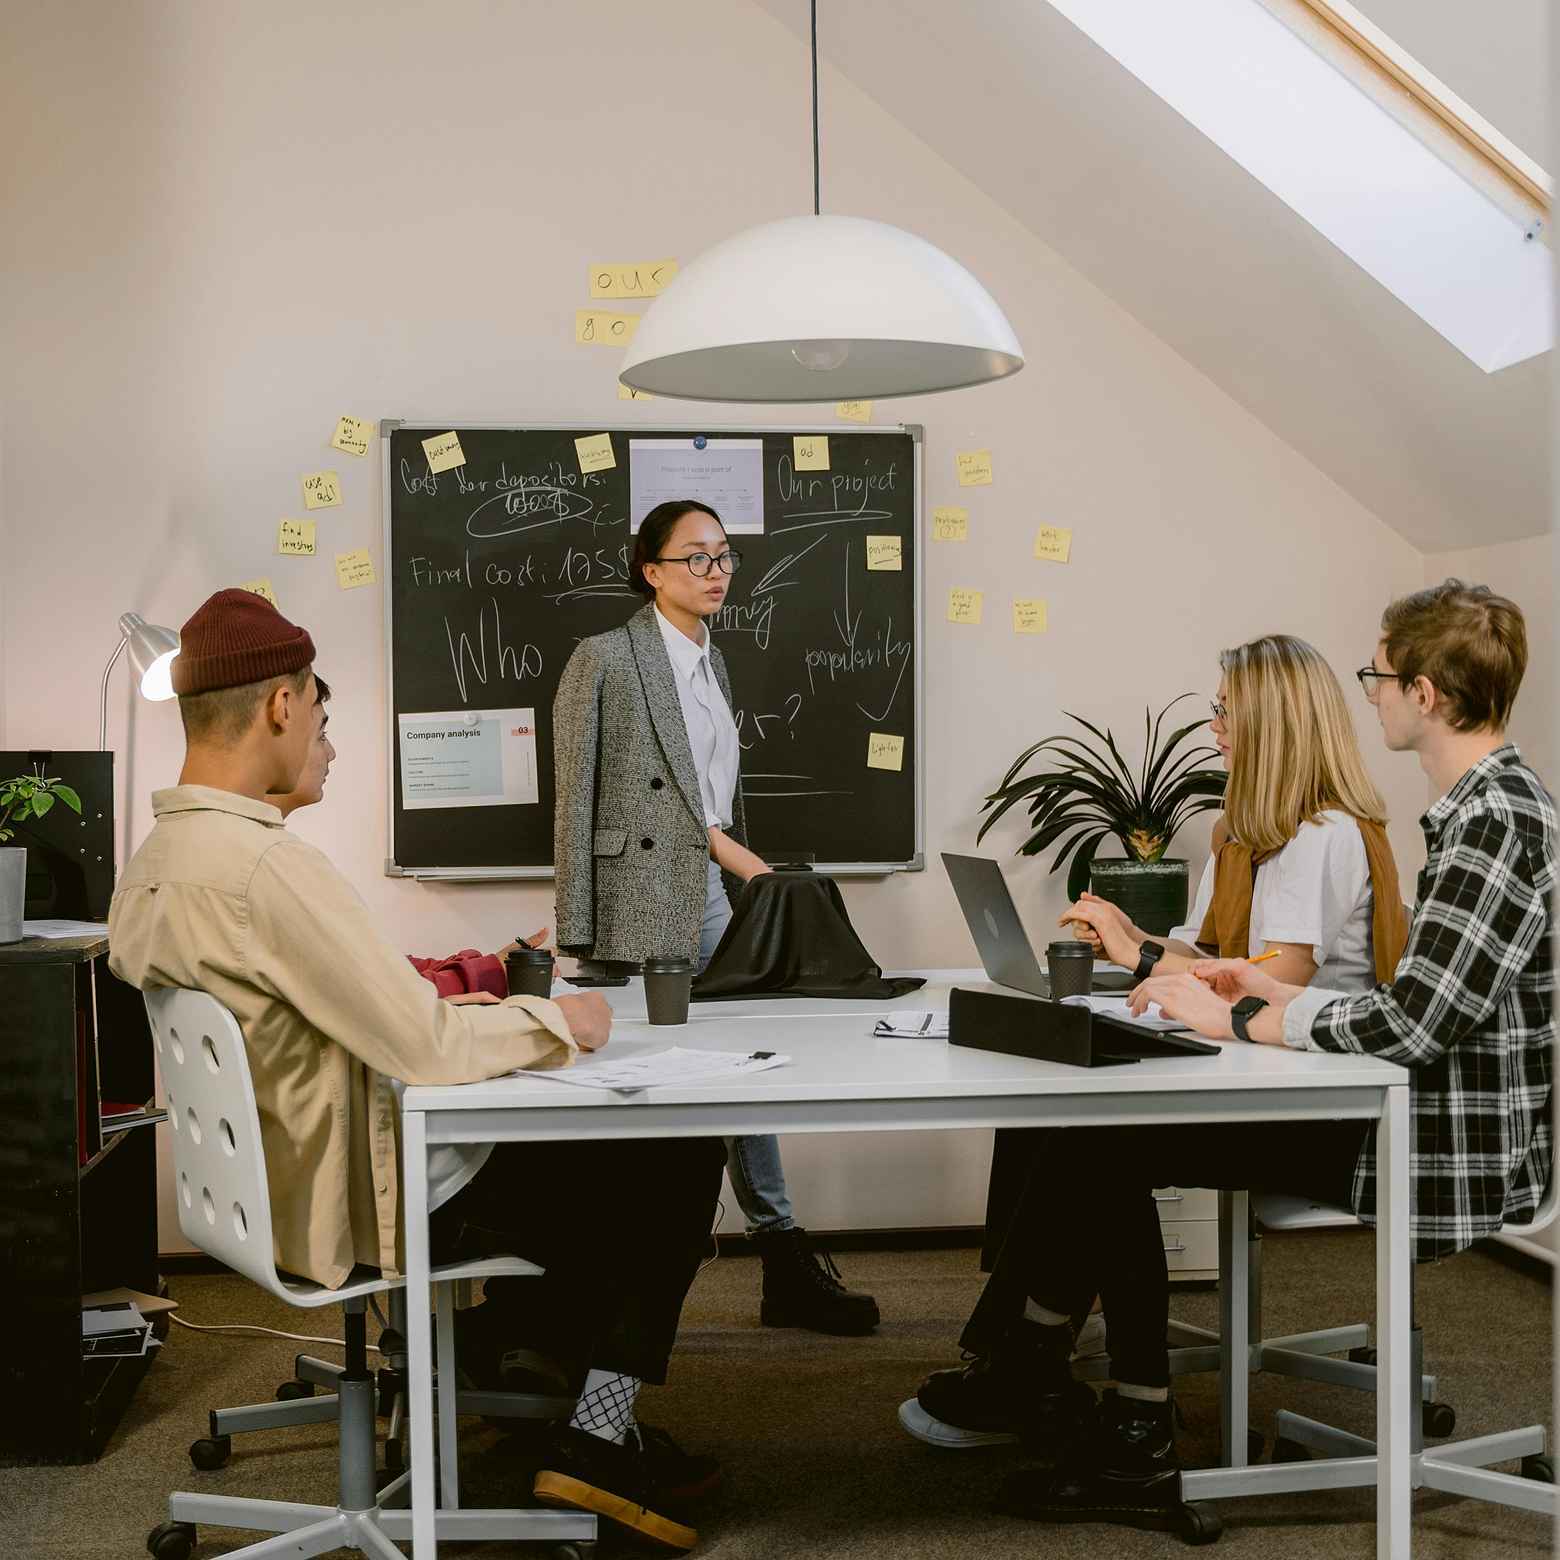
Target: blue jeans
753, 1163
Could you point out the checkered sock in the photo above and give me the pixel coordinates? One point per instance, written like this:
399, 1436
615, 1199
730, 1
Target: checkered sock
606, 1405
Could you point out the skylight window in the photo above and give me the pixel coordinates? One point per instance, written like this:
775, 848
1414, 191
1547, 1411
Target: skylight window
1472, 268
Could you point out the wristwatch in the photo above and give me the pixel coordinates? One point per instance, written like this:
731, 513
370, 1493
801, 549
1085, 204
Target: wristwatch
1149, 954
1243, 1012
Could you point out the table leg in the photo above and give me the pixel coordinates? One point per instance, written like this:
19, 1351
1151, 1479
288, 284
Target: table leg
419, 1341
1396, 1401
1235, 1326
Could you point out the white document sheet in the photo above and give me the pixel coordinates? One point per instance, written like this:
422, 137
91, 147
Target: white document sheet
1116, 1007
56, 929
913, 1026
468, 758
726, 474
676, 1065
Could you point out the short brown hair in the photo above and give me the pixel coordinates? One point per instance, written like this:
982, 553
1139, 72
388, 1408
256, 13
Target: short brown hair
1469, 643
222, 715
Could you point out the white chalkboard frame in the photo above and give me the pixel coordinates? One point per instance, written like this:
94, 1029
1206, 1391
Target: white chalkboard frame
858, 869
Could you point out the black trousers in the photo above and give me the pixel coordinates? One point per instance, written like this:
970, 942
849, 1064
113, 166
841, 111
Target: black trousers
620, 1226
1086, 1222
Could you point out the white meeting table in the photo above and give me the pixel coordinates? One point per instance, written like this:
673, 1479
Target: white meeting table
841, 1078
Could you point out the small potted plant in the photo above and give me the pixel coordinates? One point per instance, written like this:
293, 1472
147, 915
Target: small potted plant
27, 796
1091, 793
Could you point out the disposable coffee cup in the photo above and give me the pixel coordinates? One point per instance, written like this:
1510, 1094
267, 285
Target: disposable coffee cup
667, 983
1070, 965
530, 972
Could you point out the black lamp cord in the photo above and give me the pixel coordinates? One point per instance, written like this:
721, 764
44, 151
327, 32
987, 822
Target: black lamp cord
815, 103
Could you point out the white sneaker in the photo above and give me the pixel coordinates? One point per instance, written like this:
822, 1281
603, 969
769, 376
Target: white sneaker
946, 1437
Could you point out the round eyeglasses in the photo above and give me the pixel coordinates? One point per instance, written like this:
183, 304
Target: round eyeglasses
700, 563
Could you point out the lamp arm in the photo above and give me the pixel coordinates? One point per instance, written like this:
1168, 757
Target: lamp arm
119, 650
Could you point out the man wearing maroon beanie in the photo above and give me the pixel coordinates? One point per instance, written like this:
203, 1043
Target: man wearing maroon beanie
220, 897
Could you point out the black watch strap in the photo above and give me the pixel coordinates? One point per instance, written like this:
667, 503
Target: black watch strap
1242, 1014
1149, 954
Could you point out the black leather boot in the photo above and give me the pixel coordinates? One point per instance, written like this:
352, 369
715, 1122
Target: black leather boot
803, 1288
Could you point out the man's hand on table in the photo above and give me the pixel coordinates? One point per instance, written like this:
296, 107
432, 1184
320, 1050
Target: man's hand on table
589, 1018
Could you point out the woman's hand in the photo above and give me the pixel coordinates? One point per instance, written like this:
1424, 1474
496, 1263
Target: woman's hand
734, 858
1232, 979
537, 939
1105, 925
1187, 1000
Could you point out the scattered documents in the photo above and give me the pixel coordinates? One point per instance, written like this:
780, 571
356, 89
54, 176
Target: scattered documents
1116, 1007
116, 1329
913, 1026
659, 1069
55, 929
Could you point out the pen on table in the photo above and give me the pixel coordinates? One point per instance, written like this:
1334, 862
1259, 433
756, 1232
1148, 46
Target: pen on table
1272, 953
761, 1056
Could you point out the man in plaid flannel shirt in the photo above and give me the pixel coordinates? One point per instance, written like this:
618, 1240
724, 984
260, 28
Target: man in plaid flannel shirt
1468, 1011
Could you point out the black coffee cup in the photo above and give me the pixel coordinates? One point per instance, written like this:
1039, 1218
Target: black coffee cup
1070, 965
530, 972
667, 984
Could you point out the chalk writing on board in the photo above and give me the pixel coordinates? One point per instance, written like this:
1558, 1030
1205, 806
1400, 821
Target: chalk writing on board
513, 660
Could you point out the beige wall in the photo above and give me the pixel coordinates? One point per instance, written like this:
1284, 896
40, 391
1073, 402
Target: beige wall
227, 226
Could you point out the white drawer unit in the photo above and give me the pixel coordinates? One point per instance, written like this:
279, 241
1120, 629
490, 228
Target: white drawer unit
1189, 1220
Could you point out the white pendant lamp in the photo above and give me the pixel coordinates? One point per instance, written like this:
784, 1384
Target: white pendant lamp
820, 309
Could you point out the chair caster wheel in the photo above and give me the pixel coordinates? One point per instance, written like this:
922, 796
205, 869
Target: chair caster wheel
1437, 1420
1285, 1451
171, 1540
1363, 1356
1539, 1466
291, 1391
1255, 1446
209, 1453
1198, 1523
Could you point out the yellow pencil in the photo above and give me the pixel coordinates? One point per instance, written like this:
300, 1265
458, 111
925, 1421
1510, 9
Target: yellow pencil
1272, 953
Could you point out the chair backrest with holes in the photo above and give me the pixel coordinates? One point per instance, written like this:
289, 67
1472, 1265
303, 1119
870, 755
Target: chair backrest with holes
223, 1197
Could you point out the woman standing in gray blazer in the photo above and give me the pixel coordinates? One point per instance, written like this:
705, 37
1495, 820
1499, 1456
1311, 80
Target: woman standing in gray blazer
649, 831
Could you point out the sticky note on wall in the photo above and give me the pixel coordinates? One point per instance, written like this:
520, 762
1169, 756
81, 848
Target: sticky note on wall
854, 411
321, 490
260, 588
810, 452
598, 328
634, 279
883, 553
353, 436
964, 606
354, 569
595, 453
1053, 543
1029, 617
295, 538
444, 452
885, 752
950, 524
974, 468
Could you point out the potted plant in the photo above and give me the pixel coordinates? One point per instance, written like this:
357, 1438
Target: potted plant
27, 796
1090, 793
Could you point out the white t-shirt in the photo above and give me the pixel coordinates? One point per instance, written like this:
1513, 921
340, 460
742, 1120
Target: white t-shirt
1316, 891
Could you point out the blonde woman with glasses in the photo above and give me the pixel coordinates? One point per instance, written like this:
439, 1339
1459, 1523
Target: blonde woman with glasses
1301, 869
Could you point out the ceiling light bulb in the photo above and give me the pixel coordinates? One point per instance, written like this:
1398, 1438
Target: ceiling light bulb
822, 356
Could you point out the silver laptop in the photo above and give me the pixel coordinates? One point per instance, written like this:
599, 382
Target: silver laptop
999, 935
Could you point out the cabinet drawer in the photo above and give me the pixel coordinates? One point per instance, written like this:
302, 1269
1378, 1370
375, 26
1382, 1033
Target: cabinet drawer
1187, 1202
1191, 1244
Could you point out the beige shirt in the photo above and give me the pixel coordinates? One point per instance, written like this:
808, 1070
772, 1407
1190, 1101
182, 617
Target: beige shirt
221, 898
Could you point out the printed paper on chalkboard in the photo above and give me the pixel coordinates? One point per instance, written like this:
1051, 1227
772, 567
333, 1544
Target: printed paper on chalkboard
468, 758
726, 474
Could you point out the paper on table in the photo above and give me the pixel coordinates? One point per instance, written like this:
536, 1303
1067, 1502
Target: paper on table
1116, 1007
930, 1026
674, 1065
64, 929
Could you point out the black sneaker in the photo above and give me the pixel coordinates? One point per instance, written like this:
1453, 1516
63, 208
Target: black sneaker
803, 1287
682, 1476
619, 1483
996, 1402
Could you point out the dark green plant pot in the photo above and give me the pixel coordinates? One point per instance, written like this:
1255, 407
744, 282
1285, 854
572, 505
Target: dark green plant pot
1152, 894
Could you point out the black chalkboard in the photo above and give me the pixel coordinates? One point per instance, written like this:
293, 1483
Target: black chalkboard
496, 569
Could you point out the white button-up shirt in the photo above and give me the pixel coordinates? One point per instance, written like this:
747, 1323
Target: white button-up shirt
712, 733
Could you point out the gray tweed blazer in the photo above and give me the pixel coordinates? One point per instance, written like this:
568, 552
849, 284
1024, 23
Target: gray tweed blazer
630, 848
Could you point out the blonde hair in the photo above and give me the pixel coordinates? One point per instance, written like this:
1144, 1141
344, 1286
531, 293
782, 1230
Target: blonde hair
1293, 750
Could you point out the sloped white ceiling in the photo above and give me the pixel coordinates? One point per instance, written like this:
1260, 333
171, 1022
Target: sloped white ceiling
1162, 221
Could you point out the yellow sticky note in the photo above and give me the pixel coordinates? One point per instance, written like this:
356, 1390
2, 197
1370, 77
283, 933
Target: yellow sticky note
974, 467
444, 452
260, 588
810, 452
321, 490
295, 538
636, 279
1029, 617
950, 524
1053, 543
597, 328
883, 553
885, 752
964, 605
854, 411
353, 436
595, 453
354, 569
629, 393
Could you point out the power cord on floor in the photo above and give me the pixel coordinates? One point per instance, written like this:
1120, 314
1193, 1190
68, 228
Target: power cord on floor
720, 1214
265, 1332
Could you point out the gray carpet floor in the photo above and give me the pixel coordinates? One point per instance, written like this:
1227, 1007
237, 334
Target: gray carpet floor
816, 1463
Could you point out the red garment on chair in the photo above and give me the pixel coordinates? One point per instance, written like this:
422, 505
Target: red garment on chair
465, 971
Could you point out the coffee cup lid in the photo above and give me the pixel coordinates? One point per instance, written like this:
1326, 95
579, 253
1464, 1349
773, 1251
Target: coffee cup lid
1070, 948
668, 966
532, 955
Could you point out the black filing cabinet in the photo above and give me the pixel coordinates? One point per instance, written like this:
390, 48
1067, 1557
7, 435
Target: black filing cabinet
78, 1211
